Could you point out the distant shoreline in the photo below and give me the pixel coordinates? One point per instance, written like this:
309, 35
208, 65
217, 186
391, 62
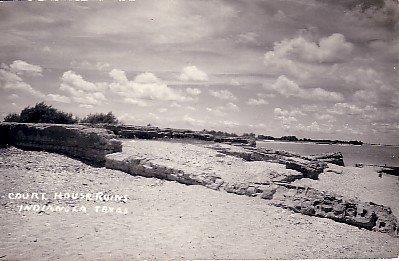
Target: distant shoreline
327, 143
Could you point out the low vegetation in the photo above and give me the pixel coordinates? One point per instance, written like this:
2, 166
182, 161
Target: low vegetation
43, 113
97, 118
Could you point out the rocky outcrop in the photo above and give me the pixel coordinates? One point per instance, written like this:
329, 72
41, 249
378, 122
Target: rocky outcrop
309, 167
317, 203
149, 133
146, 168
85, 143
312, 202
390, 170
334, 158
151, 159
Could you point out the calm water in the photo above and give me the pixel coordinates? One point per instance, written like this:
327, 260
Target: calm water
367, 154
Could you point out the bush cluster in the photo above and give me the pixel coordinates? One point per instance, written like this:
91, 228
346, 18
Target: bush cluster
43, 113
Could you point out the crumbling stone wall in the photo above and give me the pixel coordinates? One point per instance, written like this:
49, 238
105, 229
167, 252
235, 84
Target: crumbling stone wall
313, 202
304, 200
309, 167
85, 143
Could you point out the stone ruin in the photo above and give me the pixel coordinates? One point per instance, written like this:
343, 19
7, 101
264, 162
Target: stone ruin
81, 142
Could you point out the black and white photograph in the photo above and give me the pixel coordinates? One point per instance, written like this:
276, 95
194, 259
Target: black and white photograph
199, 129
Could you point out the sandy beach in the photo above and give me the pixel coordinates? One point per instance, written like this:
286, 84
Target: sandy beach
165, 220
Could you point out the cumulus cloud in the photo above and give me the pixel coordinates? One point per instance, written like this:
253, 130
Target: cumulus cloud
281, 112
301, 57
313, 127
223, 95
333, 48
232, 107
193, 91
58, 98
86, 65
73, 79
218, 111
192, 121
290, 88
367, 78
11, 81
22, 67
366, 96
256, 102
192, 73
134, 101
81, 90
325, 117
250, 37
145, 86
222, 111
284, 116
350, 109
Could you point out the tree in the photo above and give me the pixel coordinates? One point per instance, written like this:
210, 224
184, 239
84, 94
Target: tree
12, 117
96, 118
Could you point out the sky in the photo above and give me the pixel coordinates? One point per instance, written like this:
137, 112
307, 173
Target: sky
325, 69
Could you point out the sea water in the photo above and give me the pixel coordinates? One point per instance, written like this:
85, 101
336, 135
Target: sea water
366, 153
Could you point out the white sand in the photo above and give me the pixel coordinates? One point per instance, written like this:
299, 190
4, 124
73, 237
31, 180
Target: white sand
166, 220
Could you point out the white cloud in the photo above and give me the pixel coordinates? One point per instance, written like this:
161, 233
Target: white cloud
13, 96
281, 112
22, 67
223, 94
366, 95
192, 121
302, 58
86, 106
366, 78
229, 123
145, 86
146, 77
192, 73
250, 37
81, 90
222, 111
12, 82
193, 91
329, 49
119, 76
313, 127
350, 109
58, 98
133, 101
286, 117
76, 81
86, 65
102, 66
175, 105
234, 82
218, 111
325, 117
231, 107
290, 88
256, 102
266, 95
